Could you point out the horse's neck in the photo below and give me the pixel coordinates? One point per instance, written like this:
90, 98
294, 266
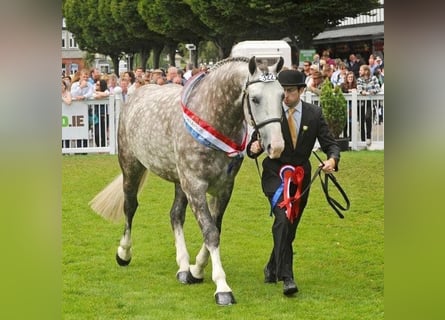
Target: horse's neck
219, 104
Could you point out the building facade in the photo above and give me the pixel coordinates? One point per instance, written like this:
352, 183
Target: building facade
363, 35
72, 56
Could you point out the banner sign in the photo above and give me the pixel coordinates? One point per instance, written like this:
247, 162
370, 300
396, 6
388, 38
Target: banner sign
306, 55
75, 120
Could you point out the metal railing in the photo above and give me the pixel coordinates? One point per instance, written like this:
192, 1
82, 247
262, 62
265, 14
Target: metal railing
363, 111
91, 126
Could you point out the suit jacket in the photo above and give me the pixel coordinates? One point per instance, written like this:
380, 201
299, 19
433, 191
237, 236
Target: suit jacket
313, 126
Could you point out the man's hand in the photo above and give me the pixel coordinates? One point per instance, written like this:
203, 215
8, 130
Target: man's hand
328, 166
255, 147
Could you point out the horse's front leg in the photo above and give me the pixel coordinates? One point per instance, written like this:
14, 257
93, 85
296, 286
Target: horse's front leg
210, 221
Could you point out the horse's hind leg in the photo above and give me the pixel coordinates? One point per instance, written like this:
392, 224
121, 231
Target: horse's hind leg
133, 177
177, 218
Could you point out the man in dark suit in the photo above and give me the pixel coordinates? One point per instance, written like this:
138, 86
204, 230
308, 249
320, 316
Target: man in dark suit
290, 174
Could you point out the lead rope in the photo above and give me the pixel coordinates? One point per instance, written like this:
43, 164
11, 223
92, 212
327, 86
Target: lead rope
324, 185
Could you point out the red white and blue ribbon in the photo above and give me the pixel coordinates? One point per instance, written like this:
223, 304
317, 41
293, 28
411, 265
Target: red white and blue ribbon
202, 131
294, 175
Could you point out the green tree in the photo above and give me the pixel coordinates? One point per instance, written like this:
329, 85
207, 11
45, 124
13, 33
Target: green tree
175, 20
112, 27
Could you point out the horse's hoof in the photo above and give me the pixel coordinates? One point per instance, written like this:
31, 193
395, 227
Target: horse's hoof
122, 262
225, 298
182, 277
192, 280
186, 277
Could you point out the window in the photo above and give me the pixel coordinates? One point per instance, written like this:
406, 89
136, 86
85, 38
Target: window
64, 39
72, 41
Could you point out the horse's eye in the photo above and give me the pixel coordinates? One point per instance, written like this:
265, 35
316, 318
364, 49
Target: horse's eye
255, 100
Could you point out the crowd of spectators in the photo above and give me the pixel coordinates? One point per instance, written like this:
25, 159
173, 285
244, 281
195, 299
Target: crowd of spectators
353, 74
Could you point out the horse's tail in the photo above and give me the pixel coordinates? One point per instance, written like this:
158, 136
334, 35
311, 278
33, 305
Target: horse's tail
109, 203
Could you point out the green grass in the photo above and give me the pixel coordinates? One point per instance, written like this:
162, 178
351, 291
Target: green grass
339, 263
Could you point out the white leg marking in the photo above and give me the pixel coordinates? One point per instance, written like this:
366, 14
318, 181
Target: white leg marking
124, 249
218, 274
182, 255
202, 259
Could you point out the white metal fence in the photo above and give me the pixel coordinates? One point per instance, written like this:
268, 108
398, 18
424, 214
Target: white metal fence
91, 126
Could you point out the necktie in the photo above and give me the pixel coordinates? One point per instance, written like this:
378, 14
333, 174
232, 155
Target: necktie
292, 126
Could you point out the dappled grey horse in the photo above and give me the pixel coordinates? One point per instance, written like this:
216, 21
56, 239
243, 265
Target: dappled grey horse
194, 136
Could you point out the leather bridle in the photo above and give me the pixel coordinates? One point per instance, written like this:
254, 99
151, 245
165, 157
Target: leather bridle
255, 125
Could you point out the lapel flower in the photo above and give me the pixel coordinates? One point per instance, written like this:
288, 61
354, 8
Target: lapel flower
304, 130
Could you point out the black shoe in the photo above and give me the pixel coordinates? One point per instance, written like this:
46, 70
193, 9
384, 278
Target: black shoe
269, 277
289, 287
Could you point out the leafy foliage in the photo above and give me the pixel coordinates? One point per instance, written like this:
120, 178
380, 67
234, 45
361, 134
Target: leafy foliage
112, 27
334, 107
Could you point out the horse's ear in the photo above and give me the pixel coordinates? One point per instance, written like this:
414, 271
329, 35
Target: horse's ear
280, 64
252, 65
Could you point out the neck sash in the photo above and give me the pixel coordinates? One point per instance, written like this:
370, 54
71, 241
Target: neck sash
202, 131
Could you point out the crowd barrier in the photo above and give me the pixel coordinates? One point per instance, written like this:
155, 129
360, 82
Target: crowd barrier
91, 126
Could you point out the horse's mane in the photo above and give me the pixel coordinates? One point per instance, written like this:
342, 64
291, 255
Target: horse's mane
228, 60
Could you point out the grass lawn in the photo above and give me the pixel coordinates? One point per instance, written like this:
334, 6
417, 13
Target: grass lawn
339, 263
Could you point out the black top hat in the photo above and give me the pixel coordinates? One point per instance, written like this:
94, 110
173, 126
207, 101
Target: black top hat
291, 78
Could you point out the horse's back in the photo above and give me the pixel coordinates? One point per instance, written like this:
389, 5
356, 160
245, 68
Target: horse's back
149, 124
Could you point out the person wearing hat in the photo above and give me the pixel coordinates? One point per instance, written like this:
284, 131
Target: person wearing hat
305, 124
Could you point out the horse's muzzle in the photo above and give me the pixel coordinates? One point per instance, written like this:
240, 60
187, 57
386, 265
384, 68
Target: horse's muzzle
275, 148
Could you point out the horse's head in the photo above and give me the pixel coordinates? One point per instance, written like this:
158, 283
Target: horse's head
263, 109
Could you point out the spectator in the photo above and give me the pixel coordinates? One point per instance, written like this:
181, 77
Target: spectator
112, 82
354, 64
379, 62
314, 84
66, 99
372, 63
157, 73
139, 73
350, 83
339, 75
160, 81
188, 72
327, 71
171, 73
139, 83
82, 90
101, 89
98, 114
379, 74
306, 69
312, 69
326, 57
316, 60
124, 83
367, 84
66, 94
131, 78
67, 80
94, 75
348, 86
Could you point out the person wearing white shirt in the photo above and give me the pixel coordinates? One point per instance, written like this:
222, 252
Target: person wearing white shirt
82, 89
